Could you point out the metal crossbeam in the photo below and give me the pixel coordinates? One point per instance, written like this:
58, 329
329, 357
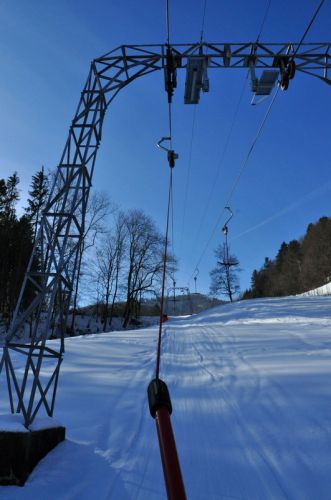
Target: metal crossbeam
312, 58
61, 231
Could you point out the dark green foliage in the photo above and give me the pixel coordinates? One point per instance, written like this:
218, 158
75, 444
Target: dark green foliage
316, 246
16, 242
36, 202
299, 265
9, 196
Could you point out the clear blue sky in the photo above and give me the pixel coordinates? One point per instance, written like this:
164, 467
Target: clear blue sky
45, 51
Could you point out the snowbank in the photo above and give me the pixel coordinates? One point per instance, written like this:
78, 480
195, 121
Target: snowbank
320, 291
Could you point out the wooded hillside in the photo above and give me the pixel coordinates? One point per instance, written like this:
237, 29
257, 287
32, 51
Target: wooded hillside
299, 266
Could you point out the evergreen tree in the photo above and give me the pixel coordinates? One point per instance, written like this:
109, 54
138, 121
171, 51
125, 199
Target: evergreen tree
3, 191
15, 247
9, 196
38, 197
291, 276
21, 243
299, 265
316, 248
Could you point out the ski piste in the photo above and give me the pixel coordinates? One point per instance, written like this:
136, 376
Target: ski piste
250, 388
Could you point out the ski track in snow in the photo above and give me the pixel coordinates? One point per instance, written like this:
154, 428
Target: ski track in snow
251, 395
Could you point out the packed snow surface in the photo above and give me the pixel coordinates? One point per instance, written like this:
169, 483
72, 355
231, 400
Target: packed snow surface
250, 387
321, 290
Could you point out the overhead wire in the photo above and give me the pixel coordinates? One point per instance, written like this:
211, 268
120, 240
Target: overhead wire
263, 20
308, 27
227, 141
165, 257
236, 182
159, 401
170, 135
172, 223
221, 161
239, 175
296, 204
169, 211
189, 168
188, 173
258, 134
167, 22
250, 151
170, 123
203, 20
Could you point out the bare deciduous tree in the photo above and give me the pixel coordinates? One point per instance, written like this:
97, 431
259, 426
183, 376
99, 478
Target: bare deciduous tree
98, 209
144, 257
109, 263
224, 277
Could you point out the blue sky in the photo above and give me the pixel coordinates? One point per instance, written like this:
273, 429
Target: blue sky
45, 51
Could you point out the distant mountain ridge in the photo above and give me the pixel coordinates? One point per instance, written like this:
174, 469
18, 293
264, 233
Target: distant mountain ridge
179, 305
193, 303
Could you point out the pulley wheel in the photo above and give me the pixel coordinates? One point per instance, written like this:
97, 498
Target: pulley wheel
291, 69
284, 81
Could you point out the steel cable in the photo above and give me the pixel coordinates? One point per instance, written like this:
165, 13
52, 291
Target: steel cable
236, 182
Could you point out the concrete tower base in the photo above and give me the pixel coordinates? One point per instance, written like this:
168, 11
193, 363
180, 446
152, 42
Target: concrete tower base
21, 449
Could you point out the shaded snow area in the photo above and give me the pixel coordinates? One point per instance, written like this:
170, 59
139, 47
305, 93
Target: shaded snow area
251, 391
84, 325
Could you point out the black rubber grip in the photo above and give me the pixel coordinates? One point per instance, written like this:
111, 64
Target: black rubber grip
158, 395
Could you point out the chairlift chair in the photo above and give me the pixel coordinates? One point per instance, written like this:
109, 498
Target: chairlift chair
196, 79
262, 87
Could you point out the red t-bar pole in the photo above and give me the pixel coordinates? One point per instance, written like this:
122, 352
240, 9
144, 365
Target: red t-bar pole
171, 468
161, 408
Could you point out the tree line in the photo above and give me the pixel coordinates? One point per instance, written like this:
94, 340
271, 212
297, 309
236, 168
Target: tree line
17, 236
299, 265
121, 254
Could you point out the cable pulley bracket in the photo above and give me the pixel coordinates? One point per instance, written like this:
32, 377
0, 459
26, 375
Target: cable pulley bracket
171, 154
173, 61
287, 69
225, 228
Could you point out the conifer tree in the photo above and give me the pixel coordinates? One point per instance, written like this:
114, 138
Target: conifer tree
38, 196
15, 247
9, 196
299, 265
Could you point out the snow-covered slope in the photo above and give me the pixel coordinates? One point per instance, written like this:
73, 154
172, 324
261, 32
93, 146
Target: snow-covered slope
321, 290
250, 385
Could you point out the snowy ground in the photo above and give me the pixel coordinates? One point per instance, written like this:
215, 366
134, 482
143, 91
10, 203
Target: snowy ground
84, 325
250, 386
322, 290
